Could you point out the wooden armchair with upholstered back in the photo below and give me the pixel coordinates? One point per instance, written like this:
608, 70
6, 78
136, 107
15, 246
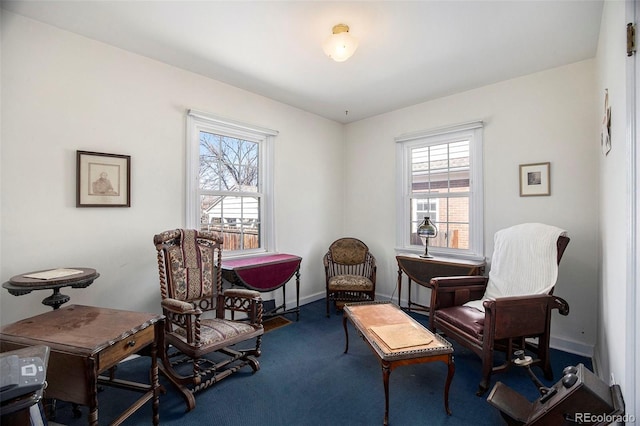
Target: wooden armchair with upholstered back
485, 315
200, 318
350, 271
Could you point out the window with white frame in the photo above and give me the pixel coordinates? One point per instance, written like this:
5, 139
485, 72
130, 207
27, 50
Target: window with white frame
440, 177
229, 181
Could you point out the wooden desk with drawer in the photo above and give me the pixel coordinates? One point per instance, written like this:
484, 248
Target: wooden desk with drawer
86, 341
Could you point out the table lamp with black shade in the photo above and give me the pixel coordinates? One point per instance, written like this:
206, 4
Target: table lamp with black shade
427, 230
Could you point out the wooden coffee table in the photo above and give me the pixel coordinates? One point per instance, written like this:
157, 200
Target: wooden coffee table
397, 339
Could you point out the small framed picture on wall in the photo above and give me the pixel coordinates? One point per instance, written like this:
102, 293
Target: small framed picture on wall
103, 180
534, 179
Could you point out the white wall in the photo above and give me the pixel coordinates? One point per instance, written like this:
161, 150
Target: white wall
614, 221
1, 14
548, 116
62, 93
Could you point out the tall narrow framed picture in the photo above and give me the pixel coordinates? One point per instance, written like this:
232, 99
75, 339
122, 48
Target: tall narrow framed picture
535, 179
103, 180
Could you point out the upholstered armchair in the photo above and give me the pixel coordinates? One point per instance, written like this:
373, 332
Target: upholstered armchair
201, 318
350, 271
504, 311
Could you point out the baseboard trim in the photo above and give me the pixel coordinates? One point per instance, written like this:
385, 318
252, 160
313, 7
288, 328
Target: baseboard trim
309, 299
571, 346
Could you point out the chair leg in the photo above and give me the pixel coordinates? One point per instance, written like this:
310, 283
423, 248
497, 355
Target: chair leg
487, 368
548, 373
328, 306
543, 354
483, 387
186, 393
545, 363
255, 365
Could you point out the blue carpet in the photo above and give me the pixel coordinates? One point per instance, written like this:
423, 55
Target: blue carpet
306, 379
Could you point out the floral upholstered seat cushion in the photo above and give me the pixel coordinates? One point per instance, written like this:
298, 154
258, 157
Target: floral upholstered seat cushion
217, 330
350, 282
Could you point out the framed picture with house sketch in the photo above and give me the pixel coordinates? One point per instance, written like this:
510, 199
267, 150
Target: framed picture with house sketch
534, 179
103, 180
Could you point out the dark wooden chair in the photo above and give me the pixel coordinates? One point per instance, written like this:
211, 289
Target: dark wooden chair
504, 325
191, 287
350, 271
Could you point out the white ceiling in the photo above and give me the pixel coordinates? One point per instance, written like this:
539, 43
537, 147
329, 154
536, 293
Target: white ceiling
409, 52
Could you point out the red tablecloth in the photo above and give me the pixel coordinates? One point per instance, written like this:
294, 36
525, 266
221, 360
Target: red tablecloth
263, 273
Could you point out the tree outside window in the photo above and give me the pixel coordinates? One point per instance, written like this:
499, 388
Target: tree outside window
229, 196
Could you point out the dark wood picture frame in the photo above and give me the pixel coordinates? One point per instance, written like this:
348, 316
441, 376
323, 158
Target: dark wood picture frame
103, 180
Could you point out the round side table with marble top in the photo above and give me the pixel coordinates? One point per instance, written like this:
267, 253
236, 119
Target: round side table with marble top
51, 279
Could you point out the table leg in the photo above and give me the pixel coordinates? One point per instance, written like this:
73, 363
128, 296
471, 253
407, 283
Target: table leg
155, 384
346, 333
399, 285
93, 391
451, 367
284, 300
386, 372
298, 293
56, 299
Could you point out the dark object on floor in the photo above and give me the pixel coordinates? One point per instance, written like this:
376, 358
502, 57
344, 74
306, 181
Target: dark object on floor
579, 397
350, 271
268, 305
506, 321
191, 284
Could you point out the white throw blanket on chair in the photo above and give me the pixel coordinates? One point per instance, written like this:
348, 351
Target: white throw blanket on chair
525, 261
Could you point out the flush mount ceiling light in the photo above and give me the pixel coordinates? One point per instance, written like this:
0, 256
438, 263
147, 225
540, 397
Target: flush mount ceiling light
340, 45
